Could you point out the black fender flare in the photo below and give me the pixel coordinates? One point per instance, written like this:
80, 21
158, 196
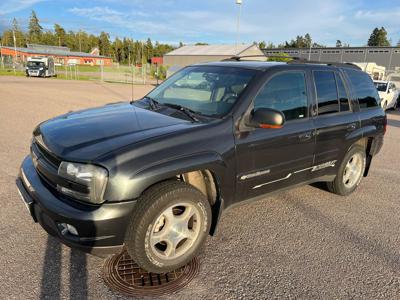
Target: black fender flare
149, 175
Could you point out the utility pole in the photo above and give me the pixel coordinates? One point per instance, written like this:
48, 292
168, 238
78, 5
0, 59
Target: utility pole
15, 52
79, 37
309, 53
1, 54
239, 3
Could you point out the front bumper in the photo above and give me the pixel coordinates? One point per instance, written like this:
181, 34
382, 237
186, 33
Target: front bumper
101, 229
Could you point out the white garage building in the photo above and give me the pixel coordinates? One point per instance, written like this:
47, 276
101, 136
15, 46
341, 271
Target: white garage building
188, 55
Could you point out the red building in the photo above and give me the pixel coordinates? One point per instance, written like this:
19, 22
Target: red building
61, 55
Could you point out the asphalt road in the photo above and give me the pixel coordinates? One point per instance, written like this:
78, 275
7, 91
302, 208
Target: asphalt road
305, 243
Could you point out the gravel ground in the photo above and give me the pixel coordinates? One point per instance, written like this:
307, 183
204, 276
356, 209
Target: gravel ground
305, 243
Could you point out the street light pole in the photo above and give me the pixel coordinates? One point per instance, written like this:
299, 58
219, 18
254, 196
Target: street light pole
239, 3
15, 52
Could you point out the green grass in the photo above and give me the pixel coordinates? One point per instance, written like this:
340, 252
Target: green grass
10, 72
106, 69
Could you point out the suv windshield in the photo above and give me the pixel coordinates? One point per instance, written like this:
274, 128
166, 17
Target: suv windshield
207, 90
381, 86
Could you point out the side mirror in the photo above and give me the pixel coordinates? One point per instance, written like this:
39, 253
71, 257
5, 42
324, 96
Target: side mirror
267, 118
389, 91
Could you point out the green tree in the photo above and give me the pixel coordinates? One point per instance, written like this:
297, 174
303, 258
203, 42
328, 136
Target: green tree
104, 44
339, 44
34, 29
378, 37
301, 42
280, 57
48, 38
7, 38
307, 40
149, 49
262, 44
118, 50
60, 35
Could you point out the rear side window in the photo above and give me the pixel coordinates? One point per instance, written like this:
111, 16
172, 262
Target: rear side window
364, 89
343, 97
327, 95
285, 92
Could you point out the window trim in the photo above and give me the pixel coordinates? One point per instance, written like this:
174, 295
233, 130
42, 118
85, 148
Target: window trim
304, 72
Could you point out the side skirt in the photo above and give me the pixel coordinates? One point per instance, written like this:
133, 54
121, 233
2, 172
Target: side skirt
223, 210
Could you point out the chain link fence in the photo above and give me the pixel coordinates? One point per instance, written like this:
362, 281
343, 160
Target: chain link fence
140, 74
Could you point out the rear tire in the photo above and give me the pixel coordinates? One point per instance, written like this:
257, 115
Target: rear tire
350, 172
168, 227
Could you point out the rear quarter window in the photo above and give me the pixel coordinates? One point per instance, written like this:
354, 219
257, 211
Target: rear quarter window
364, 89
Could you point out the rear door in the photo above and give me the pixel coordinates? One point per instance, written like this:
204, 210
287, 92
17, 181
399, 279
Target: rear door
269, 159
336, 121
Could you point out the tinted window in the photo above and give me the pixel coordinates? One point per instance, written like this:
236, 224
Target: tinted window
364, 89
381, 86
325, 85
285, 92
208, 90
343, 97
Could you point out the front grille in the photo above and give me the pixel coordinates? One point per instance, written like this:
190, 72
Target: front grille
46, 165
46, 154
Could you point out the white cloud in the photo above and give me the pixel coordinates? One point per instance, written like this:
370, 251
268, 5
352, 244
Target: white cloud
215, 21
11, 6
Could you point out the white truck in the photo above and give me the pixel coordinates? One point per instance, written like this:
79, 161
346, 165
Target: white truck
40, 67
388, 93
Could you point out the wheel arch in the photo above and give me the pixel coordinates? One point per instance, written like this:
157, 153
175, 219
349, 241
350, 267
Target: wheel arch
204, 171
368, 143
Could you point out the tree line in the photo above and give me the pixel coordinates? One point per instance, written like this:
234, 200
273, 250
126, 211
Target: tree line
377, 38
124, 51
128, 50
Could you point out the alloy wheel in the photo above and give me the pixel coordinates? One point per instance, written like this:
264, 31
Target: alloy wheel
175, 230
353, 170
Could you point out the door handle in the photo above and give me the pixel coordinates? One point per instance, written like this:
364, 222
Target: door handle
305, 136
352, 127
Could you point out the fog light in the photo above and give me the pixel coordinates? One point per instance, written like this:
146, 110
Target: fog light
67, 228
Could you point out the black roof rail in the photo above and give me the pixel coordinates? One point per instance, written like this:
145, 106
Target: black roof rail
238, 58
297, 60
328, 63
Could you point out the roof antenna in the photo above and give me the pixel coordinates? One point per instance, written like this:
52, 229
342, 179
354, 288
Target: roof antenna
132, 77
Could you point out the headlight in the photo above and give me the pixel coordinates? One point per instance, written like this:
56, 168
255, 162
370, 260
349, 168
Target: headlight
93, 177
41, 69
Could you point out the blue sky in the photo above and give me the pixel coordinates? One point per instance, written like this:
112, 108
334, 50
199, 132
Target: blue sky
214, 21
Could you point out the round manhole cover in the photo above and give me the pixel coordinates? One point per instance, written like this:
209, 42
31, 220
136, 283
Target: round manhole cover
123, 275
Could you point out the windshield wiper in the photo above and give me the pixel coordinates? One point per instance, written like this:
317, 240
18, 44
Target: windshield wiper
154, 105
187, 111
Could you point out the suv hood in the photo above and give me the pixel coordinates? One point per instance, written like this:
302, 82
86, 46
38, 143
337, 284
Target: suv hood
88, 134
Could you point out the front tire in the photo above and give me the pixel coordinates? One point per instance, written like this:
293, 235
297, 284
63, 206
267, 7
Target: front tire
169, 226
350, 172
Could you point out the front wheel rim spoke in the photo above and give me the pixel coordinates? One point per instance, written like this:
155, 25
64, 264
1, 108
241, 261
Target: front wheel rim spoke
187, 215
158, 237
171, 249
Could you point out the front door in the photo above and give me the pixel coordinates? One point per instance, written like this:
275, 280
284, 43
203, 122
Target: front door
269, 159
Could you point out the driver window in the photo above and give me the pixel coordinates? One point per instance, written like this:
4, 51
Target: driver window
285, 92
